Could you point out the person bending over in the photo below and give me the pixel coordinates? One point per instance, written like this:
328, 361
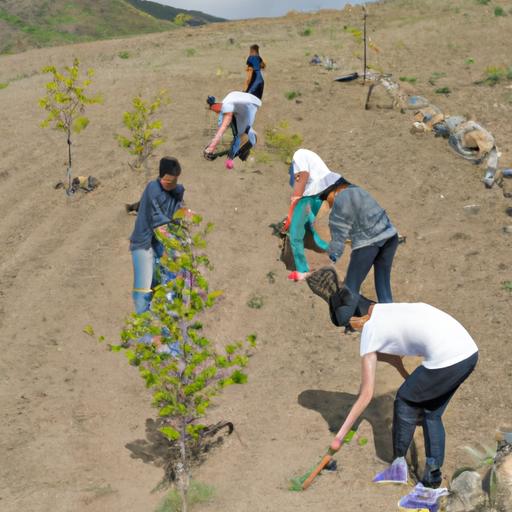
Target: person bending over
355, 215
312, 181
238, 111
388, 333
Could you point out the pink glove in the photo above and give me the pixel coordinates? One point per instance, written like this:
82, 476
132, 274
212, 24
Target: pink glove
288, 221
297, 276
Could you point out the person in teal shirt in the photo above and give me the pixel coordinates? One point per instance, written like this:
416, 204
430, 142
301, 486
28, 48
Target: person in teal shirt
311, 181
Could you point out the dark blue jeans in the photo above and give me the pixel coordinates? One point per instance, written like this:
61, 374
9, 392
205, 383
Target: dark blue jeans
379, 256
422, 399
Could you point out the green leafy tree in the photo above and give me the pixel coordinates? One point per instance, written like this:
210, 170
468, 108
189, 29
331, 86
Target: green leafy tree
182, 19
145, 129
65, 103
191, 370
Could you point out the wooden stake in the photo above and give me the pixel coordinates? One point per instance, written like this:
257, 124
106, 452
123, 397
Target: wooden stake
370, 90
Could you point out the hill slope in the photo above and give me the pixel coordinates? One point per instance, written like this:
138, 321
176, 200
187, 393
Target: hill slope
168, 13
39, 23
73, 423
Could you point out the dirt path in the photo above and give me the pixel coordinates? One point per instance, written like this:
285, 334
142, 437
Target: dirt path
70, 407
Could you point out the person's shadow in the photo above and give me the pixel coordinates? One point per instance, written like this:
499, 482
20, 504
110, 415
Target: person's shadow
334, 408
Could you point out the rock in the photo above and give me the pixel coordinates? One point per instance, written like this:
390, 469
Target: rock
503, 472
466, 493
472, 209
507, 229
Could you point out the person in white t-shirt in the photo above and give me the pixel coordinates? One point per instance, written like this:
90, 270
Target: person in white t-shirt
312, 181
238, 110
390, 332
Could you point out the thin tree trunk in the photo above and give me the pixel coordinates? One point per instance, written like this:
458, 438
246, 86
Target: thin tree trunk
69, 171
183, 476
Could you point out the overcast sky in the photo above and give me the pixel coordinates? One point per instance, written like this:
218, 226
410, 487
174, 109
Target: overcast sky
237, 9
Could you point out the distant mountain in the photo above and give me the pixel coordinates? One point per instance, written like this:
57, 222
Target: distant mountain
28, 24
165, 12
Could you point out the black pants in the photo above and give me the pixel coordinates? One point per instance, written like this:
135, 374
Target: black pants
422, 399
379, 256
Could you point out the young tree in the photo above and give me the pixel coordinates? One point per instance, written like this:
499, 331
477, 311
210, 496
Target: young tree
145, 129
182, 19
182, 367
65, 103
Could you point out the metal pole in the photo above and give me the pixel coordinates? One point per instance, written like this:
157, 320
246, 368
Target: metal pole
365, 14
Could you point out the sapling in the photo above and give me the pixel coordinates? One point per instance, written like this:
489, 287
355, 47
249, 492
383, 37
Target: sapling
183, 368
182, 19
144, 127
65, 103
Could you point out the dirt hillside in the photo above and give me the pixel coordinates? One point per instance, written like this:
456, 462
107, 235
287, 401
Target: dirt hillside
69, 407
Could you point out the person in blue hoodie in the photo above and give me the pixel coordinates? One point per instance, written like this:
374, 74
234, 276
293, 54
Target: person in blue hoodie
255, 83
159, 202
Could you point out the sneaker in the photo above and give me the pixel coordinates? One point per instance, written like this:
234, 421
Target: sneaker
422, 498
349, 329
324, 282
397, 473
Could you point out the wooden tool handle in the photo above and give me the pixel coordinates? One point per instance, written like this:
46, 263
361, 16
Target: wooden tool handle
309, 481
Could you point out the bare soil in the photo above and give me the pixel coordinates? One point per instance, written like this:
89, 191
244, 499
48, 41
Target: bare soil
69, 407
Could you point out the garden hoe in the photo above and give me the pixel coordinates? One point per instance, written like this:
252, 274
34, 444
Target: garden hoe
325, 460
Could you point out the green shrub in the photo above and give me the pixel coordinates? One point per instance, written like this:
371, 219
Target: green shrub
262, 157
443, 90
279, 140
409, 79
271, 277
255, 302
291, 95
356, 33
499, 11
190, 52
509, 73
469, 61
124, 55
306, 32
494, 74
507, 285
482, 2
3, 85
435, 76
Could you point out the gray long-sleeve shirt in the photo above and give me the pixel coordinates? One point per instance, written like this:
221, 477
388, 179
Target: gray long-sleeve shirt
356, 215
157, 207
